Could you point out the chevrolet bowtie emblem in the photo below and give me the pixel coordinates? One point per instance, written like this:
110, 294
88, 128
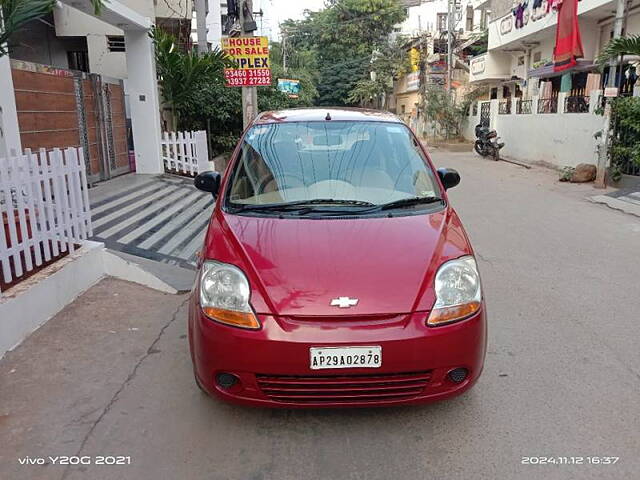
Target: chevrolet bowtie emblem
344, 302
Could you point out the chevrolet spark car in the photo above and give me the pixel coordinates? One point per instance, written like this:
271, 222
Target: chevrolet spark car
334, 272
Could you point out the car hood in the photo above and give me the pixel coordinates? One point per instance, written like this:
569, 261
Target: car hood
296, 267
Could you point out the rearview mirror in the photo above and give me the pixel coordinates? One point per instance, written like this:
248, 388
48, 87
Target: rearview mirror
449, 177
208, 182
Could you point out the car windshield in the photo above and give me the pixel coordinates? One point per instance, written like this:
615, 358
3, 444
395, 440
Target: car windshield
352, 164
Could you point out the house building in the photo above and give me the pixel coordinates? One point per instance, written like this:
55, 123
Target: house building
72, 39
543, 115
519, 56
426, 26
75, 79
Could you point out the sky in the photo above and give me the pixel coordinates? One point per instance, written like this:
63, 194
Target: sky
275, 11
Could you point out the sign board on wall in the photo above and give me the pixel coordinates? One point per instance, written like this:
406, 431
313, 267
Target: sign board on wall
506, 24
251, 55
413, 81
289, 86
478, 65
611, 92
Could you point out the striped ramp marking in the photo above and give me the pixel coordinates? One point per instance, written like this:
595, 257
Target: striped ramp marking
178, 226
177, 208
146, 201
109, 205
163, 221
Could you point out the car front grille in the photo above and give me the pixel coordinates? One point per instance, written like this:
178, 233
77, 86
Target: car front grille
344, 388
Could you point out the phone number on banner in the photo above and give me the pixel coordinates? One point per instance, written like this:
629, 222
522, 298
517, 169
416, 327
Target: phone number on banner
247, 78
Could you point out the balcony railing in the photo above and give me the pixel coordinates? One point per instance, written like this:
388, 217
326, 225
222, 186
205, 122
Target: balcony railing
548, 105
504, 107
523, 107
576, 104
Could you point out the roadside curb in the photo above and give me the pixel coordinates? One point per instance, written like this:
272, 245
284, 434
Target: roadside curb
32, 303
615, 204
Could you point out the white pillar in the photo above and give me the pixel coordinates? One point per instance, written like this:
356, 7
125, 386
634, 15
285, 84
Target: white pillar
214, 24
143, 98
9, 131
201, 25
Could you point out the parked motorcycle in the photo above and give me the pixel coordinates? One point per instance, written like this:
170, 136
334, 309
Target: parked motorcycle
487, 143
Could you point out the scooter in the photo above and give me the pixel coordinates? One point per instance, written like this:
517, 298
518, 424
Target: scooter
487, 143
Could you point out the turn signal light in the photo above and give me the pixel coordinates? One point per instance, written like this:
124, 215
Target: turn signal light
236, 319
441, 316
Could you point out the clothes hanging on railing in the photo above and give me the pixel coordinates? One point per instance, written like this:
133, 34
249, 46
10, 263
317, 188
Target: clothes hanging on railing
568, 40
593, 83
518, 11
565, 83
553, 5
546, 89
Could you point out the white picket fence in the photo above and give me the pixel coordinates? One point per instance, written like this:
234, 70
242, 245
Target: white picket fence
185, 152
45, 209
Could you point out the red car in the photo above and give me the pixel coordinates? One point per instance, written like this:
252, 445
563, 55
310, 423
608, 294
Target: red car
335, 272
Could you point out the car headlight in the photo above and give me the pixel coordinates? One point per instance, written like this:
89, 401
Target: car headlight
458, 291
224, 295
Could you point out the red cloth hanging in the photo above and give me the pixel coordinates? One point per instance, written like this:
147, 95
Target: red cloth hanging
568, 40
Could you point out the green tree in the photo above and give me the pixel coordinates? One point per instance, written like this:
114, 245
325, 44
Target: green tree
181, 73
619, 46
625, 138
446, 115
300, 66
194, 89
387, 63
343, 38
14, 14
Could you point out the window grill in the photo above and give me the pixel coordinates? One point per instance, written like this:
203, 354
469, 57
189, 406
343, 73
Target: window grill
548, 105
523, 107
504, 107
115, 43
576, 104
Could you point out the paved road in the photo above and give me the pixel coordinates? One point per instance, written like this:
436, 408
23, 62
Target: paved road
562, 376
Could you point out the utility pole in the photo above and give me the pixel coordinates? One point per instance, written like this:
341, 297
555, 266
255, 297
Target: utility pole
249, 94
450, 25
201, 26
284, 50
617, 32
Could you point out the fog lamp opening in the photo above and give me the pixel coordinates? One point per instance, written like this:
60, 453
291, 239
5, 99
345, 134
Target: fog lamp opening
226, 380
458, 375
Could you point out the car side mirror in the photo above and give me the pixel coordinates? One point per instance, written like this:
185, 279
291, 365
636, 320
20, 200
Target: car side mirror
449, 177
208, 182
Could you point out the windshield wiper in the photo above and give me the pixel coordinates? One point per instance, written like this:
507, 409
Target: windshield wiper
303, 204
409, 202
402, 203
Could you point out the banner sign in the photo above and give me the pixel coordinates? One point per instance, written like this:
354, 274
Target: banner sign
413, 82
251, 55
414, 58
289, 86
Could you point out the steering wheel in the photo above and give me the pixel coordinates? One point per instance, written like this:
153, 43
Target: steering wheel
283, 182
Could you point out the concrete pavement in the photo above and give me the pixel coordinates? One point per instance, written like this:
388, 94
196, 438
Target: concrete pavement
562, 376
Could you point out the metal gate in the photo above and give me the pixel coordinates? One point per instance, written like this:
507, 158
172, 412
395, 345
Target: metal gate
59, 108
485, 114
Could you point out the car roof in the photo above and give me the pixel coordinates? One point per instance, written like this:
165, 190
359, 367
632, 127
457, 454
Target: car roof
319, 114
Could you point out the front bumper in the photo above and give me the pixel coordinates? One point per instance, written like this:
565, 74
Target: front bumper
277, 356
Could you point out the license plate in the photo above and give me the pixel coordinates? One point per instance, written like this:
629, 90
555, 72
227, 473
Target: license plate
345, 357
